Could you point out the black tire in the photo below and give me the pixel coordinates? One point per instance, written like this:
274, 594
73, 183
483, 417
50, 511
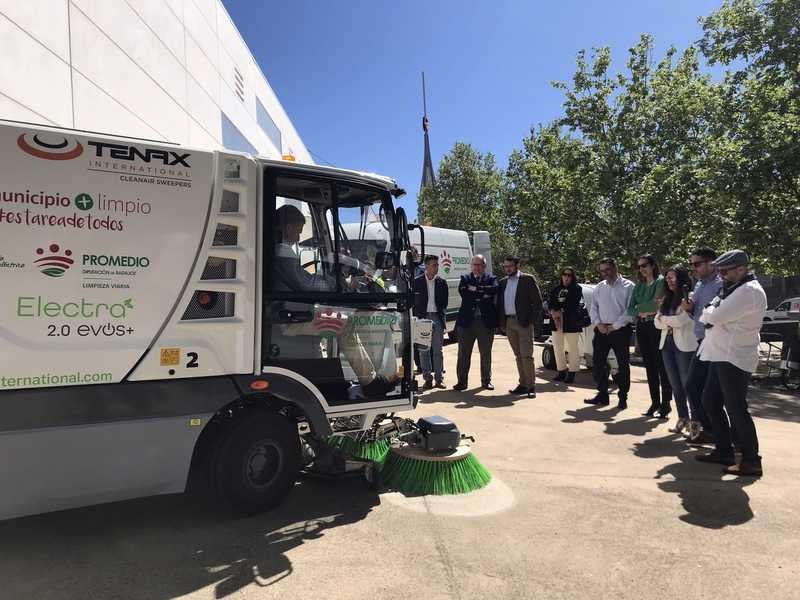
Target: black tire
374, 479
791, 379
254, 462
548, 358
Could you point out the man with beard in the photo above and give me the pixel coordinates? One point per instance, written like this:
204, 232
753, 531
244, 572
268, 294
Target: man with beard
733, 321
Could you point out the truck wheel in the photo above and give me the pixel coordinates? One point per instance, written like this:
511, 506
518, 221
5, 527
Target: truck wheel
255, 462
548, 358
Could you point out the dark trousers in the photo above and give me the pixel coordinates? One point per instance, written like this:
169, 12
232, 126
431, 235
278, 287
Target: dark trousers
649, 339
466, 342
726, 390
620, 342
695, 384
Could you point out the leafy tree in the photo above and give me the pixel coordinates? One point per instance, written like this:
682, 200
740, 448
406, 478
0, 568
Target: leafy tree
468, 195
753, 171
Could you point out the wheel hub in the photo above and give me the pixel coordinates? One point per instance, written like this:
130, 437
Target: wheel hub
262, 464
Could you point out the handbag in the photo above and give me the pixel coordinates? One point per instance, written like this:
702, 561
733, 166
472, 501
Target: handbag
579, 318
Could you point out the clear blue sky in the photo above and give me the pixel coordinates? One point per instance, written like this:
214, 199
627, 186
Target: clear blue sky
349, 72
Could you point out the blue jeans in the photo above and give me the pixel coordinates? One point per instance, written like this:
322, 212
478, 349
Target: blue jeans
437, 341
726, 390
677, 362
694, 386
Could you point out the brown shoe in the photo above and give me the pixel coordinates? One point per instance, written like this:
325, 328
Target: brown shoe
428, 385
744, 468
716, 458
381, 385
440, 384
702, 439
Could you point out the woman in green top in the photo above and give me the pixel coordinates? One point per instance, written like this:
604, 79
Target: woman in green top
643, 307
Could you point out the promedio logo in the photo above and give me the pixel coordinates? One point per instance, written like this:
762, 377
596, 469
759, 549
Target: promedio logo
49, 146
54, 264
102, 260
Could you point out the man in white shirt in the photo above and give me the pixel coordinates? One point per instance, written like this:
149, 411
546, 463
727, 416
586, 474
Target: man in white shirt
430, 301
733, 321
609, 312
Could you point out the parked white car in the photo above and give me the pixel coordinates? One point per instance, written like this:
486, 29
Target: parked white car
789, 309
584, 343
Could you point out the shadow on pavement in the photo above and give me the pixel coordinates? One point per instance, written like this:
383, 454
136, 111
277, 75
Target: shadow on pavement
602, 414
169, 546
711, 499
774, 404
474, 397
636, 425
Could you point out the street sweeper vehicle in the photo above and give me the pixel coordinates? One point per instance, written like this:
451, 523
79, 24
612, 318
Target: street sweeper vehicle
162, 307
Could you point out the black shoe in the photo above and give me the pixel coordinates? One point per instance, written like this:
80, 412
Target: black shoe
460, 386
599, 400
532, 392
380, 386
520, 389
562, 375
663, 411
651, 412
487, 386
622, 404
570, 377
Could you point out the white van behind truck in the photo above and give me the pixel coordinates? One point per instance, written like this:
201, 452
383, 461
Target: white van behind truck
145, 326
455, 254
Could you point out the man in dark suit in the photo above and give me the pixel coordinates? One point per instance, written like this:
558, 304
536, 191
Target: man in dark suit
519, 305
430, 301
477, 319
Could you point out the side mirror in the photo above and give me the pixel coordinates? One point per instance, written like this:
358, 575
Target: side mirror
384, 260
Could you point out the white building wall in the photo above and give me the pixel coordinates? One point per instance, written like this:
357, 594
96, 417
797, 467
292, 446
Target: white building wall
158, 69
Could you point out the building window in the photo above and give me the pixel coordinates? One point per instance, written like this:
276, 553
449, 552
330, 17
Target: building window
233, 139
268, 125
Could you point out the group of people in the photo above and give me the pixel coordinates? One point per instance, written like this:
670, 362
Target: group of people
698, 342
512, 304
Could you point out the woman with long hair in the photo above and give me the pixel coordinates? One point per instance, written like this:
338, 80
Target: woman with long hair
565, 297
643, 306
678, 341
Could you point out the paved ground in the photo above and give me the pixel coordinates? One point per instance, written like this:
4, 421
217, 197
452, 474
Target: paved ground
585, 503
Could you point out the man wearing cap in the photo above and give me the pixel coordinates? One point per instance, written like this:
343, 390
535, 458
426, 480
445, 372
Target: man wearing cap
733, 321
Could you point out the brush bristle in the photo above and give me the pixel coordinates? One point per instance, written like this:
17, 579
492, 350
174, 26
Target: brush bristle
376, 451
437, 478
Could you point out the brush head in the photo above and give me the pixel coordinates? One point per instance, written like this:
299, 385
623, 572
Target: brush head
420, 453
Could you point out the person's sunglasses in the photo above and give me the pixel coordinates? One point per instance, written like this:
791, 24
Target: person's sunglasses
698, 263
724, 272
567, 274
670, 278
642, 266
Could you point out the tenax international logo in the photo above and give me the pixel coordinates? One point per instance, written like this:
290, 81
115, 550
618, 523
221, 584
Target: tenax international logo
53, 264
49, 146
447, 262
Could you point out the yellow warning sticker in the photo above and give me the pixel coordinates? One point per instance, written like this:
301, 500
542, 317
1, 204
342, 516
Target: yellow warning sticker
401, 371
195, 422
170, 357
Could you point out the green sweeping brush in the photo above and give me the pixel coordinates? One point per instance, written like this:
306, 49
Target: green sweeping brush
412, 470
376, 450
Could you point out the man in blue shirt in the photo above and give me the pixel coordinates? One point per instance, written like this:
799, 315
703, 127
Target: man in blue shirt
609, 312
705, 290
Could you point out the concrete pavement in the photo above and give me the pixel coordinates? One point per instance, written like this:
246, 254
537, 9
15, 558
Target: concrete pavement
585, 503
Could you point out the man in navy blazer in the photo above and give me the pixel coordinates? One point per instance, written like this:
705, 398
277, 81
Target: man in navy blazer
432, 306
477, 319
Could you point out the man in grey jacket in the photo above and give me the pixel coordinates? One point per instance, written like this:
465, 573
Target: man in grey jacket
732, 321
